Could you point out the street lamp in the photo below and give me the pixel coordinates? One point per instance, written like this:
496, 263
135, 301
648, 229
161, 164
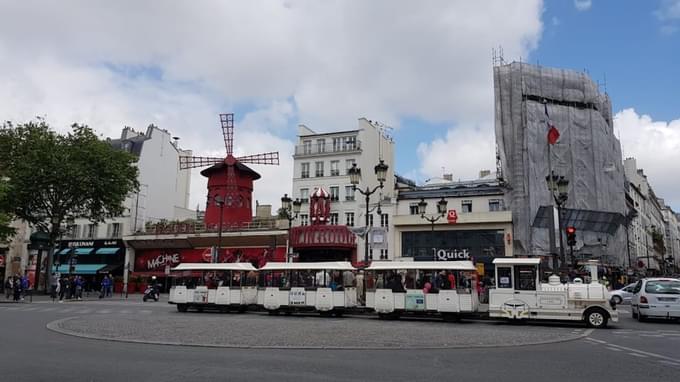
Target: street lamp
441, 211
355, 178
219, 201
292, 209
558, 187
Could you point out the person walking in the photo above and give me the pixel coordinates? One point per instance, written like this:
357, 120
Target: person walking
9, 287
25, 286
54, 285
61, 289
79, 288
17, 288
106, 284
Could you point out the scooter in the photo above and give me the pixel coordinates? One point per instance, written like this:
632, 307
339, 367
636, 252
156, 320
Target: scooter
151, 293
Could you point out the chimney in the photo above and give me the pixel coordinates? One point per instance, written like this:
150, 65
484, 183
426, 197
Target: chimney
448, 177
483, 173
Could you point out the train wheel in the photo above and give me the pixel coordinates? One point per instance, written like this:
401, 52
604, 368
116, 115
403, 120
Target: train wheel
181, 308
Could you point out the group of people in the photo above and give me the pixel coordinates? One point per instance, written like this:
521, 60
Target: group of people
71, 287
17, 286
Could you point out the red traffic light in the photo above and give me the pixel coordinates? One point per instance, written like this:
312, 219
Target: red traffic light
571, 230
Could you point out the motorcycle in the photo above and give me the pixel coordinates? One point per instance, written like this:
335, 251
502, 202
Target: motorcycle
151, 293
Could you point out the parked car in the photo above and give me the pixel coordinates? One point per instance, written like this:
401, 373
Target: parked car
656, 297
623, 295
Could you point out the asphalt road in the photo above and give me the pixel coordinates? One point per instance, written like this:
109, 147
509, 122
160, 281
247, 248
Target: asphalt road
628, 351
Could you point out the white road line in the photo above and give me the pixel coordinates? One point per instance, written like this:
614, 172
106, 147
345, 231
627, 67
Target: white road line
669, 363
613, 349
645, 353
596, 340
84, 311
48, 309
104, 311
638, 355
145, 312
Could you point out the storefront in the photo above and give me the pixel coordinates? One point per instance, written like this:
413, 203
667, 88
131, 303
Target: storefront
479, 246
91, 259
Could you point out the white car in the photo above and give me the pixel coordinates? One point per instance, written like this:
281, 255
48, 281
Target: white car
656, 297
623, 295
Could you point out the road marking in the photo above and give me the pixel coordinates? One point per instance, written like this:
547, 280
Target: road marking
596, 340
623, 311
613, 349
638, 355
645, 353
47, 309
669, 363
145, 311
124, 311
30, 309
84, 311
104, 311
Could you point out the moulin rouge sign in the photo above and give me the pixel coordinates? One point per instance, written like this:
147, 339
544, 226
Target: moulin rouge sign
162, 260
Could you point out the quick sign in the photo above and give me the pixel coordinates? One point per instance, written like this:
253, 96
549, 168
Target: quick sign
451, 254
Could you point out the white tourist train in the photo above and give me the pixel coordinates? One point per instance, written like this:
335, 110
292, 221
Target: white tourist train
422, 287
223, 286
325, 287
520, 295
447, 288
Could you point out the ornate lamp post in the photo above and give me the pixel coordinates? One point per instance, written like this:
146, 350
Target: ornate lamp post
441, 211
292, 209
559, 187
355, 178
219, 201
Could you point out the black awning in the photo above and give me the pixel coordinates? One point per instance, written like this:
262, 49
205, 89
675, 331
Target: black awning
582, 220
109, 268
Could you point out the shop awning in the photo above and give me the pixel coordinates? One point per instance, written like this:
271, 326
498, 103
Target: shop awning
64, 251
107, 251
83, 251
80, 269
109, 268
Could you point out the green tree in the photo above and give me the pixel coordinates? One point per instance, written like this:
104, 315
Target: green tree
52, 178
6, 231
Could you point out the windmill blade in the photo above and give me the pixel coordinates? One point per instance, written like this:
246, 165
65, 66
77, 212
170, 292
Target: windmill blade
193, 162
227, 121
264, 158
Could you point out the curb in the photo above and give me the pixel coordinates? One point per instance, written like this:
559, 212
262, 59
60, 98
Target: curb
54, 326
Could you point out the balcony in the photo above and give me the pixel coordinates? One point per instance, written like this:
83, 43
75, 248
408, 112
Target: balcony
326, 149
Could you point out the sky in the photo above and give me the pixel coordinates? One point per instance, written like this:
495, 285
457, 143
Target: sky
422, 68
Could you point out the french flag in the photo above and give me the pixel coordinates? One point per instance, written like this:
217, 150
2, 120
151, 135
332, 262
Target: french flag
553, 133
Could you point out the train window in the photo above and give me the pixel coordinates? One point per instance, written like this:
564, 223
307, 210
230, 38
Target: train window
526, 277
505, 277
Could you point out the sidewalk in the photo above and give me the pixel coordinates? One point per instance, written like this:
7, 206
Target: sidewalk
93, 296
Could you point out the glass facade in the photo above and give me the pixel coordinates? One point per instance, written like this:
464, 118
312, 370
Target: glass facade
478, 245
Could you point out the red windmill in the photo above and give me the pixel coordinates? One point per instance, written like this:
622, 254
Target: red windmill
230, 182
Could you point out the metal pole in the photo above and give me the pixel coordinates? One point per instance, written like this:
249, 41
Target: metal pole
647, 247
628, 219
368, 195
559, 230
219, 234
290, 226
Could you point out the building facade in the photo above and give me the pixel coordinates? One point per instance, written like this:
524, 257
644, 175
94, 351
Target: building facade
528, 100
322, 160
477, 225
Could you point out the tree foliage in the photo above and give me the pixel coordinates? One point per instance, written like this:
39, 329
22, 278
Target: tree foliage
52, 178
6, 231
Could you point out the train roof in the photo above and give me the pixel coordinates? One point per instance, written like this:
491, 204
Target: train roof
462, 265
328, 265
214, 267
517, 261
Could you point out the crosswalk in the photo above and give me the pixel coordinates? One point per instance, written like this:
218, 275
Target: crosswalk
61, 309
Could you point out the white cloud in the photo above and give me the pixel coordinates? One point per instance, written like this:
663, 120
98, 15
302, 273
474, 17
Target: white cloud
669, 10
656, 146
463, 152
583, 5
320, 63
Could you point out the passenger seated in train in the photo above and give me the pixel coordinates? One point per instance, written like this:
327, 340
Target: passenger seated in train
395, 284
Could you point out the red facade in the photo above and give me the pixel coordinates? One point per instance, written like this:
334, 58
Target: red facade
233, 183
153, 261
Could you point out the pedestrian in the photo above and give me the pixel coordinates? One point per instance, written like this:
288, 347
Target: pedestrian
17, 288
72, 287
9, 287
105, 287
25, 285
63, 285
79, 288
54, 285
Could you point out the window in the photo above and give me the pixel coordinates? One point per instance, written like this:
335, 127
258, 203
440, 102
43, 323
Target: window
350, 143
335, 192
384, 220
321, 145
467, 206
307, 147
73, 231
113, 230
304, 219
319, 169
383, 254
335, 168
91, 231
349, 219
505, 277
413, 209
348, 164
305, 170
337, 144
334, 218
495, 205
349, 193
304, 195
526, 277
370, 220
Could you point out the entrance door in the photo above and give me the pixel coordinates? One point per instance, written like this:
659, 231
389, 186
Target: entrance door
525, 284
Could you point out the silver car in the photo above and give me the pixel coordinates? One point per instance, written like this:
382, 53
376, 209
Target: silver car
656, 297
623, 295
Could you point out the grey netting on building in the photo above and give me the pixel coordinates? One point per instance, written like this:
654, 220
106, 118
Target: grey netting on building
587, 152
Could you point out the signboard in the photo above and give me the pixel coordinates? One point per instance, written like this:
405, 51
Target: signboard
415, 300
378, 238
480, 268
2, 261
451, 254
296, 296
167, 269
452, 217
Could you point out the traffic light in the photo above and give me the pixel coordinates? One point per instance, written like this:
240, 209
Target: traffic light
571, 236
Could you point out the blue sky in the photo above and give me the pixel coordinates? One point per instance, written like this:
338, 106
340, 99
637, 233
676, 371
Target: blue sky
423, 68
